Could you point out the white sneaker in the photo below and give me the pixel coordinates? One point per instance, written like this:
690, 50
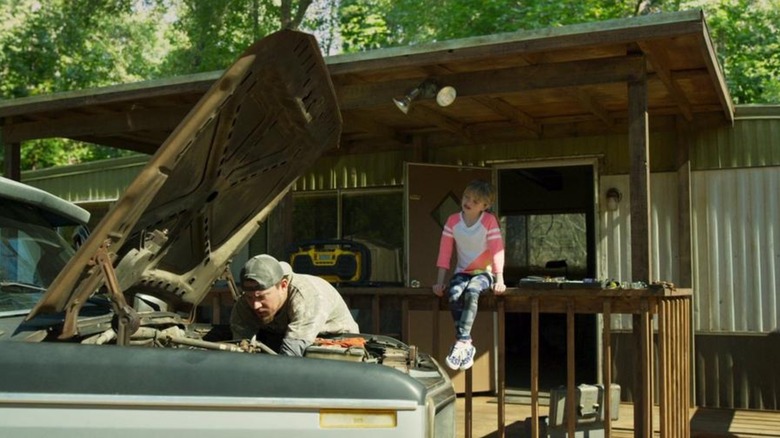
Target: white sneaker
453, 358
457, 352
467, 358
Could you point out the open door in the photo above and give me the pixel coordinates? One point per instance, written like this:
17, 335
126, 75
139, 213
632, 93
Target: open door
547, 212
433, 192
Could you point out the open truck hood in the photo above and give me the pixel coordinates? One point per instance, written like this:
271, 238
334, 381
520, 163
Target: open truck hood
206, 191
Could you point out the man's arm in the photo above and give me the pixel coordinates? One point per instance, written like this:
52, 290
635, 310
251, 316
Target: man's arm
293, 347
308, 315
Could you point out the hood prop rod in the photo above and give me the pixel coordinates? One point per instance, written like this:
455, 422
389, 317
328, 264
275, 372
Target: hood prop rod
127, 318
231, 282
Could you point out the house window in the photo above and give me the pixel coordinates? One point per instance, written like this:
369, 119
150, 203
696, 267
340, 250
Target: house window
315, 216
373, 217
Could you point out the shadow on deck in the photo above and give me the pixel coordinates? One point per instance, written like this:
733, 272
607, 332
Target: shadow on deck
705, 422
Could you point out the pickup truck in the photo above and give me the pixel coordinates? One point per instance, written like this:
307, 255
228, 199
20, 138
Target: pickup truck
104, 340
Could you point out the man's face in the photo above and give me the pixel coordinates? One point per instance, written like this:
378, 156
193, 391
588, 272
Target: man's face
265, 303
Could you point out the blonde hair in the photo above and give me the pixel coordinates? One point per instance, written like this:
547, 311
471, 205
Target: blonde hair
481, 189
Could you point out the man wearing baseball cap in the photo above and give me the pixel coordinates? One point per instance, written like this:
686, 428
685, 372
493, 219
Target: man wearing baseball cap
285, 310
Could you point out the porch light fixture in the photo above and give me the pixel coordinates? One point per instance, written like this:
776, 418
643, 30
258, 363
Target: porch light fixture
427, 89
613, 198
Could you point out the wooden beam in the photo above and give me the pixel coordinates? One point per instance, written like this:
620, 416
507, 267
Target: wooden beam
658, 60
639, 180
359, 122
502, 81
143, 146
639, 183
98, 125
715, 72
606, 365
500, 107
11, 159
444, 122
684, 140
501, 362
194, 85
642, 324
571, 366
590, 104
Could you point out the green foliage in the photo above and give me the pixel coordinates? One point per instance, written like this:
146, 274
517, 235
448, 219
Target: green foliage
370, 24
40, 154
62, 45
211, 34
747, 36
363, 26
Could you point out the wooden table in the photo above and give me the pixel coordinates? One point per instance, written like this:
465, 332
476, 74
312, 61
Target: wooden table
670, 307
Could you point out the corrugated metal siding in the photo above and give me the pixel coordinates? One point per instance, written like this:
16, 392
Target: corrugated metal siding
381, 169
753, 141
106, 180
738, 371
614, 246
737, 252
99, 181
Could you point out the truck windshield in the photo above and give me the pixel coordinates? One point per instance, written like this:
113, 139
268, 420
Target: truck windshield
32, 253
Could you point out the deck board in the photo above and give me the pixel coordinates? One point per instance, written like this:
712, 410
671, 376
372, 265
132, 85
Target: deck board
705, 422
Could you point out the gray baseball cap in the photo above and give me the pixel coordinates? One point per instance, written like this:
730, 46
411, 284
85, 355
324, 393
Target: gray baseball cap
265, 270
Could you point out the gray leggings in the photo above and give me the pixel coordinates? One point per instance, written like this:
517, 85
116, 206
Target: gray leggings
463, 296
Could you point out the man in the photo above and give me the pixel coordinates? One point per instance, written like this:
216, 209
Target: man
285, 310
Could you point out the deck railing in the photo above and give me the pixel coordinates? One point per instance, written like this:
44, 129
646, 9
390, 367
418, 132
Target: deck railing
670, 306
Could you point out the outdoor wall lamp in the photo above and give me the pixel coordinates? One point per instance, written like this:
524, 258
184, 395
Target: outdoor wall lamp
613, 198
427, 89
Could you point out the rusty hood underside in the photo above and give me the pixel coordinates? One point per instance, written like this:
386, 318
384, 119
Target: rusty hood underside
206, 191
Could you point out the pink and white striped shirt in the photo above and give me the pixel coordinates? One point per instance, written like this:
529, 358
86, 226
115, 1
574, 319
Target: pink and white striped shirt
480, 247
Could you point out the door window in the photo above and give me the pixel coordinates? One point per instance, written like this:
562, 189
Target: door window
546, 245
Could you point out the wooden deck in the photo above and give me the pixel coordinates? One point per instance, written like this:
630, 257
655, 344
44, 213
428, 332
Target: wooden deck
705, 422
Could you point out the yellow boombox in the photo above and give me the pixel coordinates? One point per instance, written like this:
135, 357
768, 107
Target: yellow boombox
336, 261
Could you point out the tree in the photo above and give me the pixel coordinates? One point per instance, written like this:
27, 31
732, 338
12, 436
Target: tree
62, 45
745, 32
363, 25
209, 35
404, 22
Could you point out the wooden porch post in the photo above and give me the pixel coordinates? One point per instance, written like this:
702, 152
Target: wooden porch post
685, 241
639, 179
11, 158
684, 139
